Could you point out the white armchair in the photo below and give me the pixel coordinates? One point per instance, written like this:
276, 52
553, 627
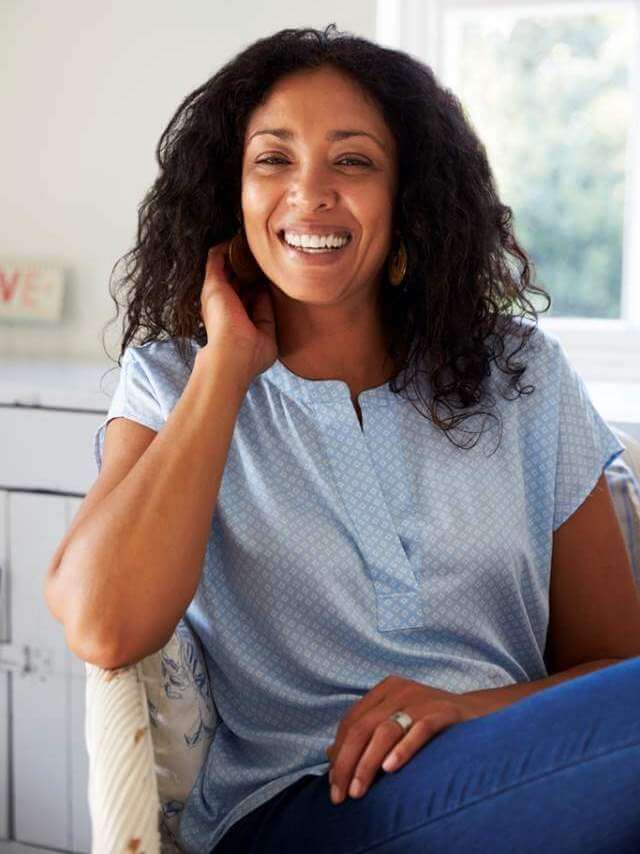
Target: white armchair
149, 724
147, 728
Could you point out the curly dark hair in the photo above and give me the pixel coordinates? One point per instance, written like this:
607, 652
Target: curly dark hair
460, 291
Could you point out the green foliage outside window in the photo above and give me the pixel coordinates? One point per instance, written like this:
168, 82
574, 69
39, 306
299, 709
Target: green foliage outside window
549, 97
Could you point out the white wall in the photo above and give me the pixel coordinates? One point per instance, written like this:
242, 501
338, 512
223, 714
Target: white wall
86, 89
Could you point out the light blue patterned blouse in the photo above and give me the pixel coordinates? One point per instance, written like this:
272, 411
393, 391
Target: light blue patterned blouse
339, 555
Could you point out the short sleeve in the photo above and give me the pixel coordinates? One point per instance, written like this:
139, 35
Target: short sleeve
133, 398
586, 443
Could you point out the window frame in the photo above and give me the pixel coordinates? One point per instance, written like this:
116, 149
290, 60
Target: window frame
601, 348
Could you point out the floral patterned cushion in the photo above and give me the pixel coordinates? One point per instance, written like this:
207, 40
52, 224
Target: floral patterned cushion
183, 721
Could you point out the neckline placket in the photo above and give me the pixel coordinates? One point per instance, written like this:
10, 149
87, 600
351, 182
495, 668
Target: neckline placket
398, 593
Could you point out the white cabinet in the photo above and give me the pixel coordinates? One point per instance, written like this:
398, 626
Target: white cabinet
48, 414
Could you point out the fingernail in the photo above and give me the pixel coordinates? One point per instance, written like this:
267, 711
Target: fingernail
335, 794
355, 789
390, 762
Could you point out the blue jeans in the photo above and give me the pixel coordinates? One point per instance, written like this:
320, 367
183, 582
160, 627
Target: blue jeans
558, 771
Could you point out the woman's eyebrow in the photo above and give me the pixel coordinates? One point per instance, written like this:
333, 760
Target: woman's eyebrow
332, 135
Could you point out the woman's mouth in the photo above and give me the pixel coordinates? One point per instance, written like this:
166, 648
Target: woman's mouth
321, 254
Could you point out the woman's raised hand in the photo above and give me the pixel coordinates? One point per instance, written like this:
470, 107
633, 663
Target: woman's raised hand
238, 318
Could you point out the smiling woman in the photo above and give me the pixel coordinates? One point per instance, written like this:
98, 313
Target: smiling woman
369, 582
336, 135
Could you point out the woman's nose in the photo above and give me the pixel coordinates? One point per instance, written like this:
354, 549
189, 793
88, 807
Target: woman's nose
311, 186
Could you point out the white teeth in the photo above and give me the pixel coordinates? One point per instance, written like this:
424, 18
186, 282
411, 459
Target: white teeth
315, 241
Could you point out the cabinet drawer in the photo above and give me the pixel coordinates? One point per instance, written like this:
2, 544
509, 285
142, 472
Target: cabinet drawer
47, 448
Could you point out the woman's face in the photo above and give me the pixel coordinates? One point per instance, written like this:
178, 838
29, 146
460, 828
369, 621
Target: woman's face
312, 181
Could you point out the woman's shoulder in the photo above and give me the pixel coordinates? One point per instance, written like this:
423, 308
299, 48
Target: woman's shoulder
163, 364
530, 373
540, 350
161, 354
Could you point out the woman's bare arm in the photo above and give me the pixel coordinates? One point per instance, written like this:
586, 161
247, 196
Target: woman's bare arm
127, 570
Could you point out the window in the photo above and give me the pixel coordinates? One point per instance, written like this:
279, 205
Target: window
553, 91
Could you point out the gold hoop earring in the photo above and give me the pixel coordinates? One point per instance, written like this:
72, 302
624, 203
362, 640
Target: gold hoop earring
397, 266
242, 261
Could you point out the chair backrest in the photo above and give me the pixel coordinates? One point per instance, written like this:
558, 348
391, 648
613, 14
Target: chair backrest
623, 479
631, 453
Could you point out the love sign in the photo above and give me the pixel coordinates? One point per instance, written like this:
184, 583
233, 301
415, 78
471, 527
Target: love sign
30, 292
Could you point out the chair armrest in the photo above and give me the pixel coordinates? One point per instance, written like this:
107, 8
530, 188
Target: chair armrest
148, 729
123, 793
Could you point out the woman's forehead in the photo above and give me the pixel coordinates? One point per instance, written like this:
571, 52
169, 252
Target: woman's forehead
305, 104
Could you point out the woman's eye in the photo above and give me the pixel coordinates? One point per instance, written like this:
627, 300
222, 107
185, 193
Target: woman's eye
272, 160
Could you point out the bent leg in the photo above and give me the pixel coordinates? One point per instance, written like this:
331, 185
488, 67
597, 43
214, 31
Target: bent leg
558, 770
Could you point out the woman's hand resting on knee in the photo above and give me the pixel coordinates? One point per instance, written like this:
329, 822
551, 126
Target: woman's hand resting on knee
367, 739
